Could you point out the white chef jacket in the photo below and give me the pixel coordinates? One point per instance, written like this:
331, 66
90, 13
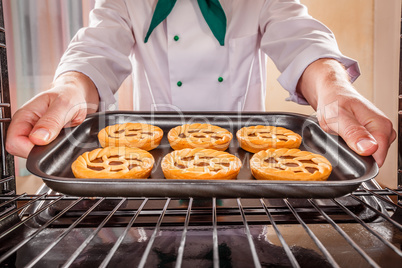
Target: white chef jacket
183, 66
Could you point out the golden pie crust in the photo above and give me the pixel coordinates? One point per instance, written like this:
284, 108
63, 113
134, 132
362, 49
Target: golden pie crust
114, 163
258, 138
289, 164
200, 164
136, 135
205, 136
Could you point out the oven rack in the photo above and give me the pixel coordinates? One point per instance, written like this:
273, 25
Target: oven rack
23, 214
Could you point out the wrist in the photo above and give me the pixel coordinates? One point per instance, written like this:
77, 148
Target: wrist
321, 78
81, 84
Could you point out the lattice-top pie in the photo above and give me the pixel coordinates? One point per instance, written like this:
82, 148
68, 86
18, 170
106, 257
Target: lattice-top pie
138, 135
289, 164
200, 164
258, 138
114, 163
199, 136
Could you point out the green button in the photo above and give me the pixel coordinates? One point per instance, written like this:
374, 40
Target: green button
220, 79
179, 84
176, 38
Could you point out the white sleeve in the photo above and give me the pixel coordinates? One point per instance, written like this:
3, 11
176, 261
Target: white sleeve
101, 50
293, 40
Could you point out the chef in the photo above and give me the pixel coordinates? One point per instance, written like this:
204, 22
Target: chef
205, 55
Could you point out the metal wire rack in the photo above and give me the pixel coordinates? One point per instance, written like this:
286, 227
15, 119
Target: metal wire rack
364, 227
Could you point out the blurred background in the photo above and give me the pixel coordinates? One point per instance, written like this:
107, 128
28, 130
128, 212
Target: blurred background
38, 32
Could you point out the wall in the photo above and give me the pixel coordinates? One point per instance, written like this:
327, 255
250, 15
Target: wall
387, 17
368, 31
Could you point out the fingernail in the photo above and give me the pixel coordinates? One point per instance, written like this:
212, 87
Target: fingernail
41, 134
365, 145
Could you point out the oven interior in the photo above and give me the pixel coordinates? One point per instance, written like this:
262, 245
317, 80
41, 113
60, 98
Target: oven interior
49, 229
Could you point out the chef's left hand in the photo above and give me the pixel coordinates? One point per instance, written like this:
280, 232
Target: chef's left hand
342, 110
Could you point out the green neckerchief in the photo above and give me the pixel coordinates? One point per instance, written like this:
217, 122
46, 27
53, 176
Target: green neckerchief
211, 10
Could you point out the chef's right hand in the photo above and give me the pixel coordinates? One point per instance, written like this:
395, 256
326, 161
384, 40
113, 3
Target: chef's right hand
38, 122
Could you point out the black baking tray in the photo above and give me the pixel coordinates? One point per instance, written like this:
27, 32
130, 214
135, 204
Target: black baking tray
52, 162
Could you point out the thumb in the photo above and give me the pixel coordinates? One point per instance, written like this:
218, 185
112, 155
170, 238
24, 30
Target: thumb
357, 137
50, 124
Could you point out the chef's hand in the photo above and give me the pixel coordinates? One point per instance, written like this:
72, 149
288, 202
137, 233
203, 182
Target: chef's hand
38, 122
342, 110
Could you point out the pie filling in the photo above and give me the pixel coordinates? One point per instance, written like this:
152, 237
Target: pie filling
274, 162
113, 163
